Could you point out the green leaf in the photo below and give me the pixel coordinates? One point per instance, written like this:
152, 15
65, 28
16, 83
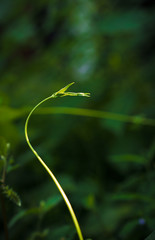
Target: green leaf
23, 214
50, 203
44, 207
62, 90
127, 162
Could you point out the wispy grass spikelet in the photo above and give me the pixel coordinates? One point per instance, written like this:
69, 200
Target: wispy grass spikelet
11, 194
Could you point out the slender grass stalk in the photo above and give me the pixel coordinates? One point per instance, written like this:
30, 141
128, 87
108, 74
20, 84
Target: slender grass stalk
61, 93
10, 114
139, 120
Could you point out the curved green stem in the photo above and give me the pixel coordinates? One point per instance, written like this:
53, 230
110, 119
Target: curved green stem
62, 92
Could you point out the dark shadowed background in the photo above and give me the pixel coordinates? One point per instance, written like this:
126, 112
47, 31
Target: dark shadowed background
105, 163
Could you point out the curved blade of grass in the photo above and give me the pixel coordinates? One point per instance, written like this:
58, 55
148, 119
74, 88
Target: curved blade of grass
61, 92
97, 114
10, 114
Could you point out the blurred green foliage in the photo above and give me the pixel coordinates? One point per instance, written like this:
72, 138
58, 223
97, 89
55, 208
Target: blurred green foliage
104, 161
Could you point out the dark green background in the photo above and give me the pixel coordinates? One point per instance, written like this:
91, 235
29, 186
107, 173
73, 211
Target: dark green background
105, 166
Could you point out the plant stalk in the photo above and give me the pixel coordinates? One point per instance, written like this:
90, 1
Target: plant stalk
62, 92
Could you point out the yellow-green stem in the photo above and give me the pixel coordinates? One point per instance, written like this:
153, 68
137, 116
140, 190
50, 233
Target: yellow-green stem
59, 93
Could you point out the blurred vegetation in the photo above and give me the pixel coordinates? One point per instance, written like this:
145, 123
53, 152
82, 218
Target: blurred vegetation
101, 149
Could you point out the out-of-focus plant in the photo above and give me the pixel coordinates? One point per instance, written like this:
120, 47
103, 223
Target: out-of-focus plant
5, 190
